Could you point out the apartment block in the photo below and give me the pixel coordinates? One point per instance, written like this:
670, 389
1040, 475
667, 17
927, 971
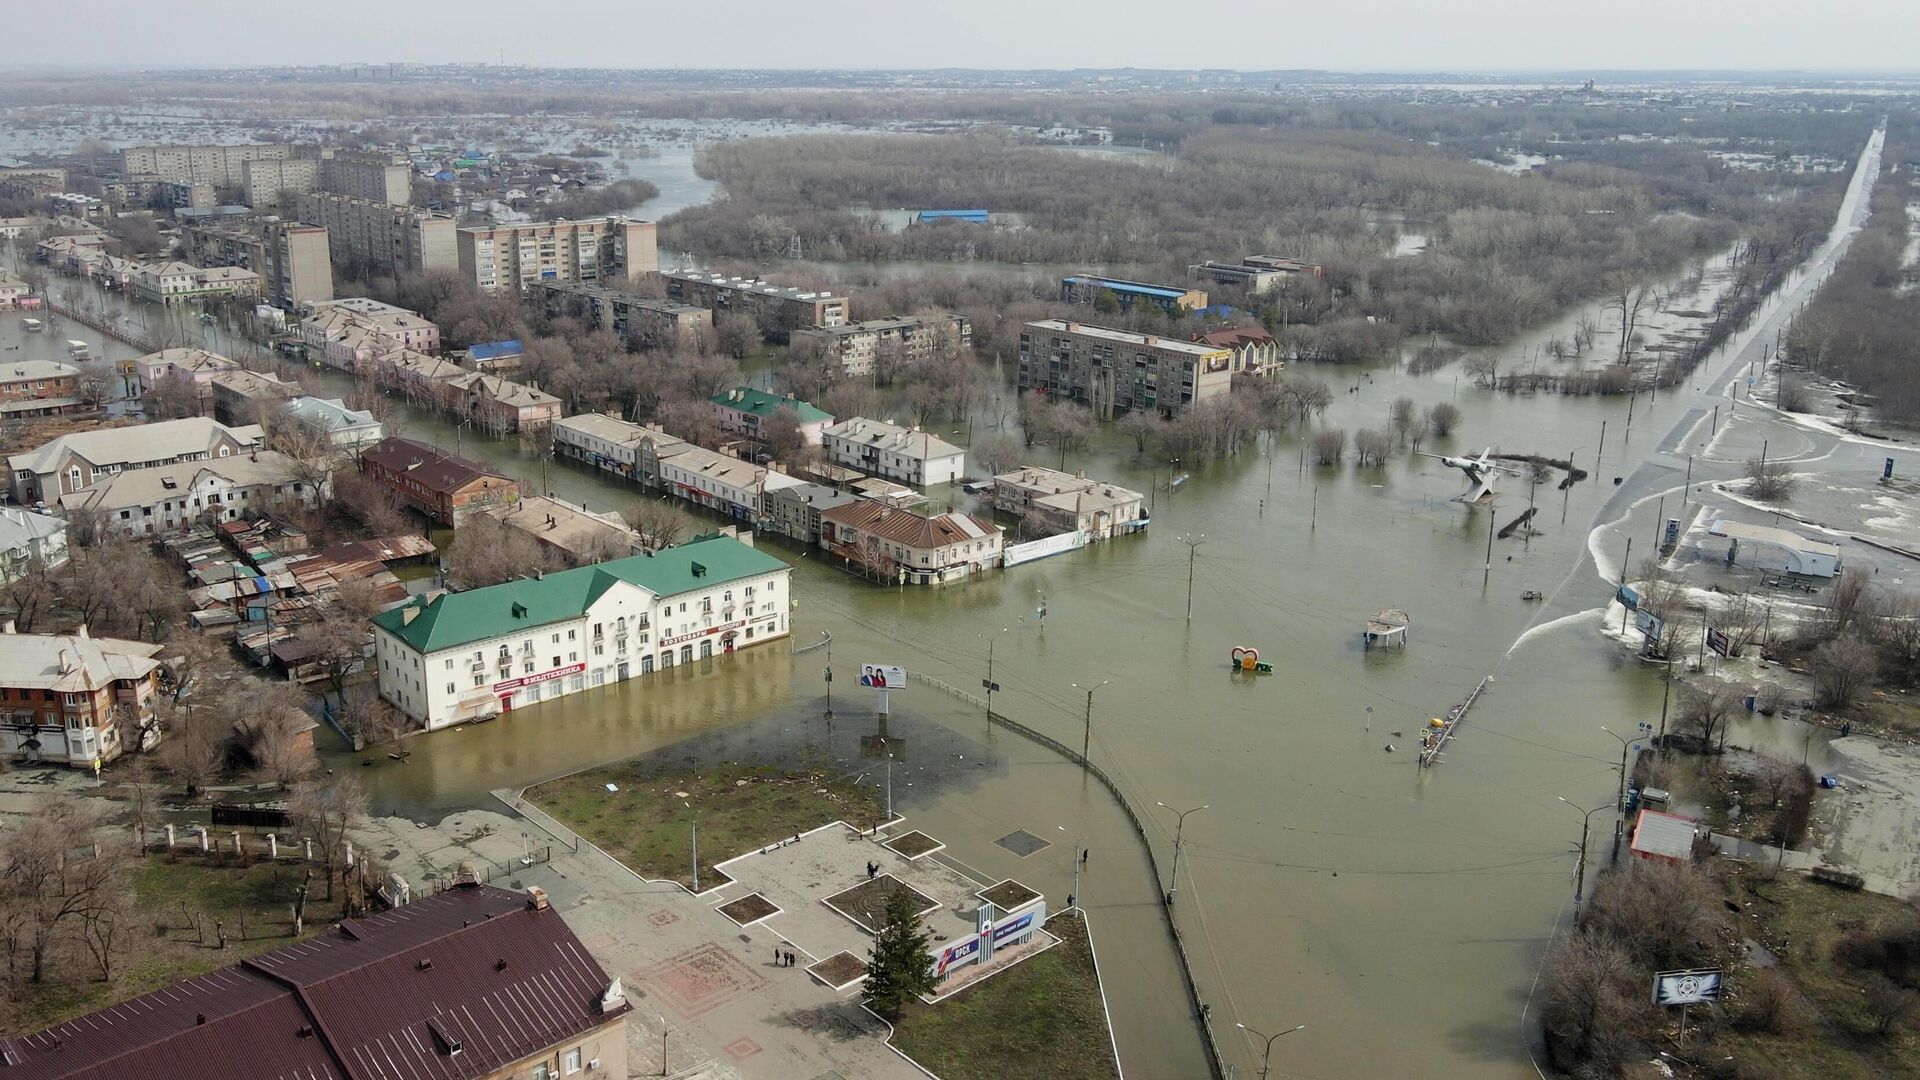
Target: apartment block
857, 347
1117, 370
776, 306
63, 695
608, 250
375, 175
647, 319
294, 261
222, 166
373, 235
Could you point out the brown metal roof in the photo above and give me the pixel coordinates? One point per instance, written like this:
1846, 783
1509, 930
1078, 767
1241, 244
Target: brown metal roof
380, 998
909, 529
435, 470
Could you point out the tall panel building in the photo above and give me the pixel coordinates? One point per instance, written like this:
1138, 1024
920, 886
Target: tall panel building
367, 234
608, 250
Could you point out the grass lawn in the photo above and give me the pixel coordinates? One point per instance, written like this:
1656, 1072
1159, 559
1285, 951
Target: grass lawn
1039, 1020
648, 823
164, 945
1799, 920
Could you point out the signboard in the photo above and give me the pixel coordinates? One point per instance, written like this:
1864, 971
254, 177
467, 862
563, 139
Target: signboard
883, 676
1013, 928
708, 632
1673, 532
1886, 471
954, 955
1628, 598
1717, 641
545, 676
1686, 987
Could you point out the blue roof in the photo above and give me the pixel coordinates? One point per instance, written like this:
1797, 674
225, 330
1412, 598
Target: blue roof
493, 350
961, 215
1116, 285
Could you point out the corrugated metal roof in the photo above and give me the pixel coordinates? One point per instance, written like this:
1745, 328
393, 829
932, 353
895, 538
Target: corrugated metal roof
358, 1002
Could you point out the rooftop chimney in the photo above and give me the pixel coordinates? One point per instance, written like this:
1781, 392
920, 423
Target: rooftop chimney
536, 898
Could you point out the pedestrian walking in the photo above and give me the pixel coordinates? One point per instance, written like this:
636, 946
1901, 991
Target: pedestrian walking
1083, 856
776, 957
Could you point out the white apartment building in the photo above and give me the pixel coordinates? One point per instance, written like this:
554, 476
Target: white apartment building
152, 502
470, 655
908, 455
718, 482
610, 250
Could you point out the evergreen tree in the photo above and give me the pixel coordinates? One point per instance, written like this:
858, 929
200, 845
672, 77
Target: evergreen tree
900, 967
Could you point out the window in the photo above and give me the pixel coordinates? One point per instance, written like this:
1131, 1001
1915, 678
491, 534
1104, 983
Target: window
571, 1061
451, 689
543, 1071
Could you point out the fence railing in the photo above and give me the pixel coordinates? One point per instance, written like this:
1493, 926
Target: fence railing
1200, 1014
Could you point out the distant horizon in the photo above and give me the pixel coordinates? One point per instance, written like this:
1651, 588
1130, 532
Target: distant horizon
1451, 72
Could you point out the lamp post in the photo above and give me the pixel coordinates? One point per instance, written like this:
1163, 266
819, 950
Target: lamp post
664, 1032
1086, 738
1566, 493
1266, 1057
988, 682
1620, 798
1193, 543
1079, 845
1173, 886
1580, 871
829, 640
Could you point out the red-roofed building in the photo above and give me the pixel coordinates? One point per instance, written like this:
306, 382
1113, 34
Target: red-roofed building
891, 544
476, 983
1663, 836
1254, 350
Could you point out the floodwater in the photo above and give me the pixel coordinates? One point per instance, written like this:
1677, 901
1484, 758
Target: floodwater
1399, 913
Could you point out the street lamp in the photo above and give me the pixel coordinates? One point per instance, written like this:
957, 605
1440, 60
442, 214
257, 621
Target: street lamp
1580, 871
1266, 1058
1086, 739
1620, 798
988, 682
664, 1032
1179, 827
1079, 845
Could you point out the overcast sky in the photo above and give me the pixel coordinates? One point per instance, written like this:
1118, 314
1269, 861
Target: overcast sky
1350, 35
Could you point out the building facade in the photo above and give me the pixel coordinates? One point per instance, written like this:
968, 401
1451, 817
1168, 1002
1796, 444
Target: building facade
222, 166
1254, 350
329, 419
794, 512
39, 388
726, 485
293, 260
858, 347
609, 250
66, 699
1052, 502
503, 406
243, 397
469, 655
169, 498
647, 320
908, 455
74, 462
1258, 274
1117, 370
177, 282
369, 235
744, 412
349, 334
1122, 294
29, 540
445, 488
892, 545
774, 306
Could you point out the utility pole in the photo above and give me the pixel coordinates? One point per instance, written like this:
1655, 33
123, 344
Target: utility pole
1620, 798
1086, 738
1580, 870
696, 856
1623, 582
987, 683
1179, 828
829, 638
1266, 1059
1488, 574
1193, 543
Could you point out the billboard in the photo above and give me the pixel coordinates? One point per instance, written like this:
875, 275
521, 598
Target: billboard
1686, 987
883, 676
1717, 641
1013, 928
1628, 598
955, 955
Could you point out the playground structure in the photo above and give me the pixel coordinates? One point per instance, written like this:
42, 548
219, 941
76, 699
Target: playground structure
1388, 627
1246, 658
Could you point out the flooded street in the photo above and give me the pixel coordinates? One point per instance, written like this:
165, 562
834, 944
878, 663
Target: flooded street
1399, 913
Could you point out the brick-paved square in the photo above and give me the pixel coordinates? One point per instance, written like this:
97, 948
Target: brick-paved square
700, 980
662, 917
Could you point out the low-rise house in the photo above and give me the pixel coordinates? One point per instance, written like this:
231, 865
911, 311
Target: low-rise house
199, 365
1258, 274
243, 397
648, 320
857, 349
891, 545
605, 442
425, 380
330, 420
16, 293
496, 357
443, 487
167, 498
73, 462
39, 388
794, 512
576, 534
1254, 350
471, 982
172, 282
469, 655
55, 250
503, 406
1052, 502
744, 411
350, 334
726, 484
29, 540
879, 448
74, 699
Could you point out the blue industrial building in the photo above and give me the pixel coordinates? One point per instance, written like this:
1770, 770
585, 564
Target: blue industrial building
1088, 288
977, 217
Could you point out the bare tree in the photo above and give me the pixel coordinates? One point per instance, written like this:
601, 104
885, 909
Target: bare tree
785, 438
173, 395
364, 712
1628, 296
1849, 603
327, 810
997, 454
1706, 707
45, 888
486, 551
1661, 912
28, 594
658, 523
1443, 419
1889, 1005
1370, 447
1741, 617
1842, 671
1329, 446
195, 750
1772, 481
1402, 418
1592, 1006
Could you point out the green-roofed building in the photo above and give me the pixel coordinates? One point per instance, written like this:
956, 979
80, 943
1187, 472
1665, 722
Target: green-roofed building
470, 655
745, 411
